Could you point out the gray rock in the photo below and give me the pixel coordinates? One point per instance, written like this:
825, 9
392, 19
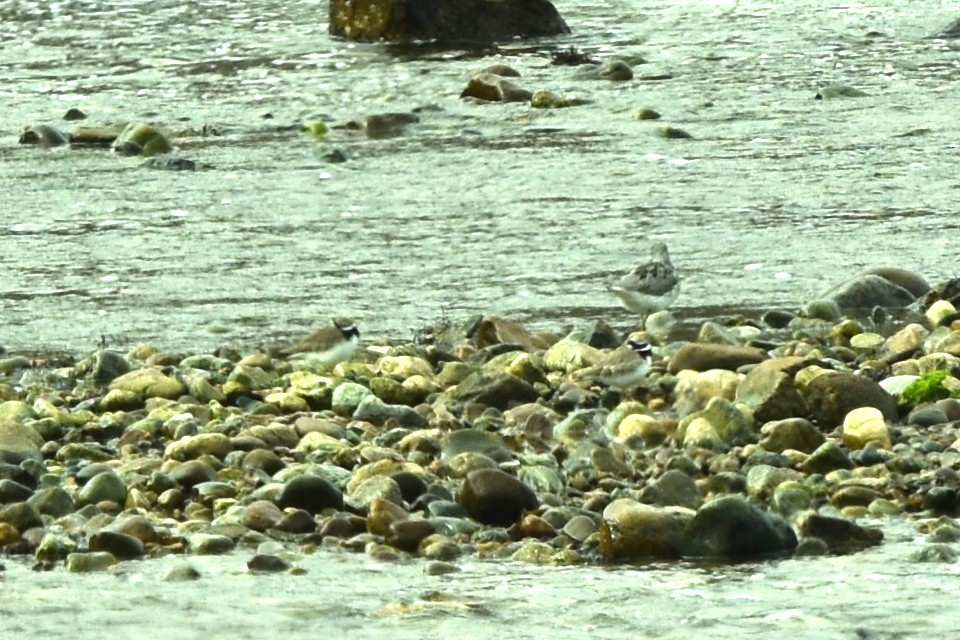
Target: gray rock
18, 441
347, 396
826, 458
311, 493
54, 502
673, 488
374, 410
496, 498
495, 389
21, 516
54, 548
261, 515
840, 534
103, 487
730, 527
210, 544
121, 545
181, 572
866, 291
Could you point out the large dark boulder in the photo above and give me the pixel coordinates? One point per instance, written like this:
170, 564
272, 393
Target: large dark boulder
731, 527
444, 21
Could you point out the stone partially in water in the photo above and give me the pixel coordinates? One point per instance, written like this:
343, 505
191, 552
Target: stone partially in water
43, 135
630, 530
311, 493
444, 21
731, 527
141, 139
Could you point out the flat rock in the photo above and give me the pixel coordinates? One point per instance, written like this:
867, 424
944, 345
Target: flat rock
831, 396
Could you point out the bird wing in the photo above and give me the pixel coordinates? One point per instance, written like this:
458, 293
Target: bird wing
654, 278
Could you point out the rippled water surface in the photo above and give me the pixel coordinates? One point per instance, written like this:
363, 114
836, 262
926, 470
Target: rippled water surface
495, 208
478, 208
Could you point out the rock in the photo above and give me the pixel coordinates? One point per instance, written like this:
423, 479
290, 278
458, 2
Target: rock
841, 535
826, 458
730, 527
792, 433
374, 410
443, 21
491, 88
266, 563
838, 91
865, 425
120, 545
374, 488
475, 441
866, 291
149, 382
43, 135
88, 562
494, 330
210, 544
730, 424
347, 396
831, 396
21, 516
699, 433
616, 70
770, 391
408, 534
673, 488
496, 498
569, 355
311, 493
54, 547
630, 530
261, 515
12, 491
694, 391
216, 445
411, 485
18, 441
191, 473
383, 514
699, 356
103, 487
181, 572
141, 139
498, 390
108, 365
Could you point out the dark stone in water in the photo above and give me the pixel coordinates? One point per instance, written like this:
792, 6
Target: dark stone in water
121, 545
444, 21
261, 563
732, 527
411, 485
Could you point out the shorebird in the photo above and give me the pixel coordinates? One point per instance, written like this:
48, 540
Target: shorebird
650, 287
330, 344
624, 367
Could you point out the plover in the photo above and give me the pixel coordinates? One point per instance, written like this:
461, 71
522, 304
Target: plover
624, 367
330, 344
652, 286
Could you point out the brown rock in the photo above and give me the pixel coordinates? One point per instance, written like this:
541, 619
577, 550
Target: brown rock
699, 356
832, 396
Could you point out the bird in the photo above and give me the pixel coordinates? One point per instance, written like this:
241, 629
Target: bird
624, 367
650, 287
330, 344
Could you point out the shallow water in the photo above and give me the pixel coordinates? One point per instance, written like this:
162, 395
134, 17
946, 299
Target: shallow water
873, 595
494, 208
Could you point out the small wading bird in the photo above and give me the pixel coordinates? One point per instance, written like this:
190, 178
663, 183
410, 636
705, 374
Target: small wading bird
652, 286
622, 368
330, 344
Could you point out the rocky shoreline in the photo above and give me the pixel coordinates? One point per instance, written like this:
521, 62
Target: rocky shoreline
761, 438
